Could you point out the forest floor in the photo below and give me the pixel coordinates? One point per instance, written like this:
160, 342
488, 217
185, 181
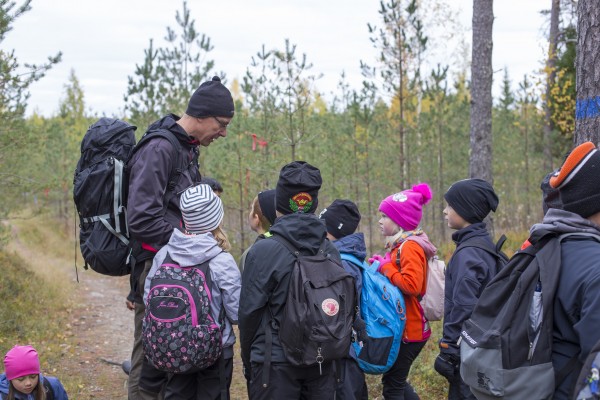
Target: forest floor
98, 329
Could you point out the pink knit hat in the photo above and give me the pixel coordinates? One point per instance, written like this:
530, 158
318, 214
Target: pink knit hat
21, 361
406, 208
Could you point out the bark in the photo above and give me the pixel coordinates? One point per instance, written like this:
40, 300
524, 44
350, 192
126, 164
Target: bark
587, 114
551, 71
480, 163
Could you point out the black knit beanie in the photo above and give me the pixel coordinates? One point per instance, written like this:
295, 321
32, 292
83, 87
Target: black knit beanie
266, 201
472, 199
578, 181
341, 218
297, 188
211, 99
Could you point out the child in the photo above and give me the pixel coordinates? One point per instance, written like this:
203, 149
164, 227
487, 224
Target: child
22, 379
202, 240
341, 220
261, 217
468, 272
405, 265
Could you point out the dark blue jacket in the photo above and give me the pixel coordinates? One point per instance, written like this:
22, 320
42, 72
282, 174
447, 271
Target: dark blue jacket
57, 388
468, 272
266, 278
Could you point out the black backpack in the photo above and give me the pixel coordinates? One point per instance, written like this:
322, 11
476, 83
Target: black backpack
100, 190
506, 344
496, 251
319, 311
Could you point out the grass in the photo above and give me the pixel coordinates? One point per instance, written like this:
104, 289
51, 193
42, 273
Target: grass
35, 307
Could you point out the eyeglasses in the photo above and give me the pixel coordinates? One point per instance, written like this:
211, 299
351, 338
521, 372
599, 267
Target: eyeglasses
221, 123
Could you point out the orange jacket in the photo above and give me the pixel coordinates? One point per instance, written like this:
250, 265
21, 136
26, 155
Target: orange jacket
410, 277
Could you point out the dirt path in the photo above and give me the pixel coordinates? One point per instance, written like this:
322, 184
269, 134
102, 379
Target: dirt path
100, 327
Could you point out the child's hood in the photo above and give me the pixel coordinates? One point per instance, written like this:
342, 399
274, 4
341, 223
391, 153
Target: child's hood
187, 250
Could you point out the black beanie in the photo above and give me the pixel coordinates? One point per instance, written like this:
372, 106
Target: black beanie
266, 201
297, 188
578, 181
341, 218
472, 199
211, 99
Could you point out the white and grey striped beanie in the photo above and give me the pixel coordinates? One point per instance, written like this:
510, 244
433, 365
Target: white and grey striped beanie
201, 209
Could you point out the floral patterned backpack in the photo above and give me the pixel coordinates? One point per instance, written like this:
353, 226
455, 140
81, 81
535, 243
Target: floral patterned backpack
179, 334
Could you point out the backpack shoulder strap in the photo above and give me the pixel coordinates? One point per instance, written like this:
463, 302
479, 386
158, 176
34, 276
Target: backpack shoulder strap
353, 259
482, 244
177, 167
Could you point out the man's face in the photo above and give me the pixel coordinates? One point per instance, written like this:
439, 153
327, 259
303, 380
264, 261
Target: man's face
209, 129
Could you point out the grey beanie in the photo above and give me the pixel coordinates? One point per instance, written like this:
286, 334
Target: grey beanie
201, 209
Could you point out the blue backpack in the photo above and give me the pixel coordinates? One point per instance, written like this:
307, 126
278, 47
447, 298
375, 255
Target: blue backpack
383, 311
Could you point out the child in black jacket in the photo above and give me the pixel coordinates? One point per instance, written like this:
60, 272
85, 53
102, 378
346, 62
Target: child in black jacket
470, 269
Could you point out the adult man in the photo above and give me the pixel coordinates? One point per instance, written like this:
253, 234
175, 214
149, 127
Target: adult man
577, 301
265, 282
153, 201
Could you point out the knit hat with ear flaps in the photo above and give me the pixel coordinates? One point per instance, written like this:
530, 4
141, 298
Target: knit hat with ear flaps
21, 361
201, 209
341, 218
297, 188
578, 181
211, 99
406, 208
472, 199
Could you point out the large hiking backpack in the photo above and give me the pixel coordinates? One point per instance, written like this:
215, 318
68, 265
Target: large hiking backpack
587, 386
179, 334
383, 311
100, 188
432, 302
319, 312
506, 344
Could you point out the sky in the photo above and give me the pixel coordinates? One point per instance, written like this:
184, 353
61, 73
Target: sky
102, 41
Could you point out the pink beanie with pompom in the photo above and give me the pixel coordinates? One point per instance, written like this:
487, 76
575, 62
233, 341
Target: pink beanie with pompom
406, 208
21, 361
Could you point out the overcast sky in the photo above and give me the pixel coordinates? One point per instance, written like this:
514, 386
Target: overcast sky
102, 41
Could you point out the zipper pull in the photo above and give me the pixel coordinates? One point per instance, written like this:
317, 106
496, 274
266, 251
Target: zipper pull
319, 360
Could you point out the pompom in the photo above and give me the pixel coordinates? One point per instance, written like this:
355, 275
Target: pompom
425, 191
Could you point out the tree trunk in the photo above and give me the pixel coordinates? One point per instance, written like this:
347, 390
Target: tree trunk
551, 71
480, 163
587, 113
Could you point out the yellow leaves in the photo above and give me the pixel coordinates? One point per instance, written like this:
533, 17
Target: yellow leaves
562, 102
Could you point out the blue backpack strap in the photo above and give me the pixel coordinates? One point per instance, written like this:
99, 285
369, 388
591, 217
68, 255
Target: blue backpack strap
353, 259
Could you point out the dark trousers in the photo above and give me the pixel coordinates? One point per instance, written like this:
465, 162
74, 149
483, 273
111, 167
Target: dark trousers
292, 383
351, 384
202, 385
458, 390
395, 386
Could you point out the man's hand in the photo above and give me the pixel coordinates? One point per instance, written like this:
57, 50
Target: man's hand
130, 305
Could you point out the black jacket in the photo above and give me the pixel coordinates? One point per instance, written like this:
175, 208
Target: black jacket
266, 278
468, 272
